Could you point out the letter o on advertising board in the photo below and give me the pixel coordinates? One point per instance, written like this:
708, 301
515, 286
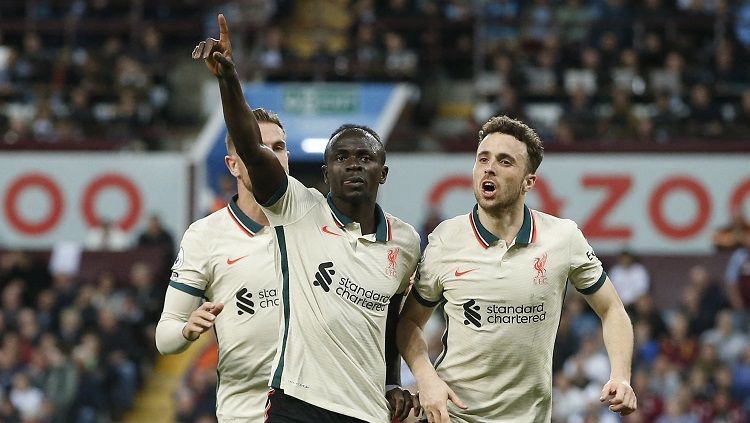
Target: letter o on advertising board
739, 195
50, 189
695, 190
112, 180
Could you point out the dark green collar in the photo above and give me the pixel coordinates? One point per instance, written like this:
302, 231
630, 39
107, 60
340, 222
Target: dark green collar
382, 224
244, 221
524, 237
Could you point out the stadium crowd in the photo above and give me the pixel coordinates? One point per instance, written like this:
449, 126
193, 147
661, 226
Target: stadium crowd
603, 71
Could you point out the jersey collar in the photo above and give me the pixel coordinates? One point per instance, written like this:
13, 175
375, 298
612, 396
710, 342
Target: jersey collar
382, 224
247, 224
525, 236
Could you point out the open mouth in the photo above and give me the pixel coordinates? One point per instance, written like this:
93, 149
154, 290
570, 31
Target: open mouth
488, 189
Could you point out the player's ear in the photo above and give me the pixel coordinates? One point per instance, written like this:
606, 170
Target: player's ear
383, 174
528, 182
324, 168
232, 165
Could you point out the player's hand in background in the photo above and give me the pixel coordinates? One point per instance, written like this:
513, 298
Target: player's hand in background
401, 402
620, 396
217, 54
201, 320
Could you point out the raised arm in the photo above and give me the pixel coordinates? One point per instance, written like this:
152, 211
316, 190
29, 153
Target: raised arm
266, 173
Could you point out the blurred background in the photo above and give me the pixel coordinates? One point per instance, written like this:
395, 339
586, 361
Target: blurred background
111, 143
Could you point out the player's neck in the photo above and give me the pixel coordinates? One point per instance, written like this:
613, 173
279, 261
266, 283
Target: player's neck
251, 208
503, 223
362, 213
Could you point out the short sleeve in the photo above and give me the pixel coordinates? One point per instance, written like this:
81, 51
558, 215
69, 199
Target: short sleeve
290, 202
428, 286
586, 271
190, 271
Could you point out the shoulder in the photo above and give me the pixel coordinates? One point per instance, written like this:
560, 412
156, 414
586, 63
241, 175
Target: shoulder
546, 221
451, 228
403, 230
204, 226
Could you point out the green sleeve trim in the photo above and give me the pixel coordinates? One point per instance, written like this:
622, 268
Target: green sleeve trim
423, 301
187, 289
277, 195
595, 287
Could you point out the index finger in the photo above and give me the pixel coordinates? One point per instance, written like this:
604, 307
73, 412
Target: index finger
223, 28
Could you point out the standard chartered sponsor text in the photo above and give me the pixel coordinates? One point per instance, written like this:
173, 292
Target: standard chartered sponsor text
365, 298
520, 314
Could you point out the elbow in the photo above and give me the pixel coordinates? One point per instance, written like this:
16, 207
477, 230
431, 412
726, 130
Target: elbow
162, 341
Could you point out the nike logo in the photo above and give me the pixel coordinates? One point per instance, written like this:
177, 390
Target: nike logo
231, 262
328, 231
459, 274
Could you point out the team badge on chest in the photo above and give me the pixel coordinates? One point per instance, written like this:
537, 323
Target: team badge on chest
390, 270
540, 264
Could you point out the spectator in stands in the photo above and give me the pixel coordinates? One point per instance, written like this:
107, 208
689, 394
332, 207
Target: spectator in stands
574, 18
711, 297
679, 347
631, 278
704, 118
741, 375
400, 60
60, 382
26, 398
729, 237
589, 364
366, 55
665, 121
155, 235
106, 236
730, 343
737, 276
620, 123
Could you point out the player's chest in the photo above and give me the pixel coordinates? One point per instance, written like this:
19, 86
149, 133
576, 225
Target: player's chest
243, 275
523, 274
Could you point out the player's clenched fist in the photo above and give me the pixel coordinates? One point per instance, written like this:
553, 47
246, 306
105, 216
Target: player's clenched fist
217, 54
201, 320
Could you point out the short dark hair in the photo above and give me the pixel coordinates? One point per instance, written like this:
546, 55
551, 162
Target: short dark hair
261, 115
351, 127
521, 132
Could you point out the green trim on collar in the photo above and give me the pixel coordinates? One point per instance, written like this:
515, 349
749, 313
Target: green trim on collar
524, 237
526, 233
252, 226
340, 217
382, 225
486, 237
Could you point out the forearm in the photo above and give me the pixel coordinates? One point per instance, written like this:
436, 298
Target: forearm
411, 343
618, 339
240, 121
392, 358
169, 337
177, 308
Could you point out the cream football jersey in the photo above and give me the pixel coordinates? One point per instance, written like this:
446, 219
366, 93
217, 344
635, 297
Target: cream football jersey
228, 258
336, 287
502, 308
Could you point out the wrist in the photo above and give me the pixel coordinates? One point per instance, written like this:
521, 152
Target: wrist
389, 387
188, 334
